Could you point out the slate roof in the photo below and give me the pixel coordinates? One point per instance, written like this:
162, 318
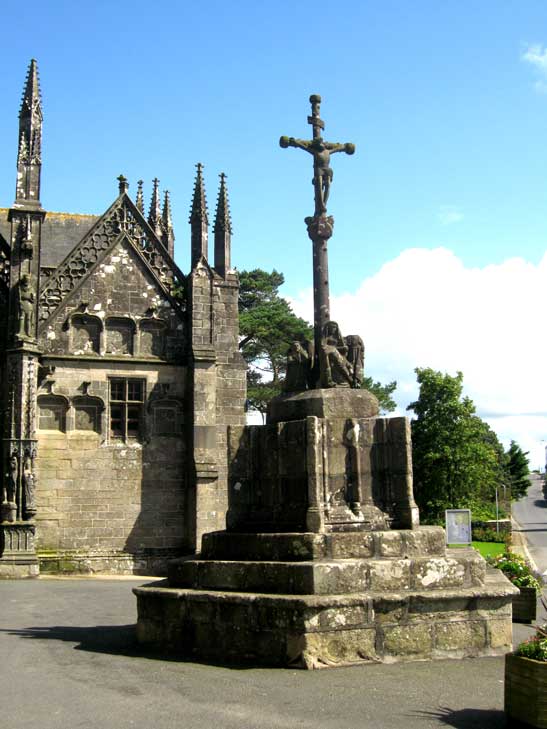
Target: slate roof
60, 233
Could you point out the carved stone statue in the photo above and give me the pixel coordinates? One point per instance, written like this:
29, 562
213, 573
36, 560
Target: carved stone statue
25, 308
298, 368
321, 152
335, 369
11, 479
322, 171
9, 490
28, 487
356, 357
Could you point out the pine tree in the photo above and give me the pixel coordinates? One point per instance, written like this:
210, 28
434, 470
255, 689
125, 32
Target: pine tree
517, 470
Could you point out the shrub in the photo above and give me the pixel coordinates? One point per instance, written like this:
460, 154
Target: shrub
516, 569
487, 534
536, 646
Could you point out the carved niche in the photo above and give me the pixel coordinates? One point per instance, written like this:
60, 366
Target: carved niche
85, 332
120, 332
87, 413
152, 338
52, 410
166, 417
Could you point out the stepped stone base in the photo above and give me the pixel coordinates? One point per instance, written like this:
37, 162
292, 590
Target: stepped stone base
316, 631
317, 600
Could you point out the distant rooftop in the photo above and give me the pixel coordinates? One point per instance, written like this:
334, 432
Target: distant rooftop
60, 233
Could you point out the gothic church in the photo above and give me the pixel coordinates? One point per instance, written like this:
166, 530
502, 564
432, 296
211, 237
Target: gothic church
119, 376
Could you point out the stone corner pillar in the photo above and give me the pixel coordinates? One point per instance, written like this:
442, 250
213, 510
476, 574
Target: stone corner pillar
19, 451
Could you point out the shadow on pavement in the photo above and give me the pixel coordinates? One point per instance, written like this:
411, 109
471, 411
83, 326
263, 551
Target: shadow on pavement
541, 503
118, 640
467, 718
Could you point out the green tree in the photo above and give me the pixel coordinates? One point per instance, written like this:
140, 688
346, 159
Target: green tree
456, 456
383, 393
267, 326
517, 470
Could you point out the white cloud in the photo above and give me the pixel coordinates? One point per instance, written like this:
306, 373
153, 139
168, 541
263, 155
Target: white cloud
536, 55
426, 309
448, 215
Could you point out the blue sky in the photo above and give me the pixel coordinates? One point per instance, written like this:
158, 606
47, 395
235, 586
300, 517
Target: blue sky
445, 102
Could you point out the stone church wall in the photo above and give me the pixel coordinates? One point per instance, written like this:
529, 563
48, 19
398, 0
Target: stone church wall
107, 503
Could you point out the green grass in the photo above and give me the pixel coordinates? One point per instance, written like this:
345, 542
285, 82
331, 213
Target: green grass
489, 549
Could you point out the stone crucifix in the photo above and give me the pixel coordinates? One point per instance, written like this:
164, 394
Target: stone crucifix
320, 225
321, 152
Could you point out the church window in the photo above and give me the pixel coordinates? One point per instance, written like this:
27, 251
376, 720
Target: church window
126, 408
86, 334
152, 340
52, 413
119, 336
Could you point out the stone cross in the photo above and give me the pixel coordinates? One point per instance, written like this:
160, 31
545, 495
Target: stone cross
320, 225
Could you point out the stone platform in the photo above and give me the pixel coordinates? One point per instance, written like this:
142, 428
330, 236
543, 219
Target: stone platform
316, 600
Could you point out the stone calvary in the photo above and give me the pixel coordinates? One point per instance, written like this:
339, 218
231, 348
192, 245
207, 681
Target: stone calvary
323, 561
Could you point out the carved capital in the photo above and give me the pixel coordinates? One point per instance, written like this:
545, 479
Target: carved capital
320, 226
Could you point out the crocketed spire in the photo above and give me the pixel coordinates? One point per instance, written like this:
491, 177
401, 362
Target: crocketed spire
222, 229
199, 220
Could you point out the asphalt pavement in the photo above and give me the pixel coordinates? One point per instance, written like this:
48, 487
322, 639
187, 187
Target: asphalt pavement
69, 660
530, 513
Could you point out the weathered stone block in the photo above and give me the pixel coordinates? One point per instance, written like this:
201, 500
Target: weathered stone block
437, 573
389, 575
331, 648
464, 636
412, 639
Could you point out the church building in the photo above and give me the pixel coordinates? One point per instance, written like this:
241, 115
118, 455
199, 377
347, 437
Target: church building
120, 376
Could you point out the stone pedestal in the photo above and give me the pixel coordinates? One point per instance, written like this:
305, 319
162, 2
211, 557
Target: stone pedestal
18, 555
311, 571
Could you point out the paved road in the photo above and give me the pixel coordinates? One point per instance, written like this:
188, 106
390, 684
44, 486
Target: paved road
68, 660
531, 515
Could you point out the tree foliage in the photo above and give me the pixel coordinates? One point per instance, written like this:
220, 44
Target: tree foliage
383, 393
267, 326
517, 470
456, 456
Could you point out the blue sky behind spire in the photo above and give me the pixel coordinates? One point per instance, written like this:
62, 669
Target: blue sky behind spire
445, 102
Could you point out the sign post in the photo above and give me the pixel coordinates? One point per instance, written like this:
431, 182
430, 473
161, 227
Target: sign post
458, 526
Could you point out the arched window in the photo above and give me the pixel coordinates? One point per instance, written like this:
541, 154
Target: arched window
86, 334
119, 335
52, 411
152, 338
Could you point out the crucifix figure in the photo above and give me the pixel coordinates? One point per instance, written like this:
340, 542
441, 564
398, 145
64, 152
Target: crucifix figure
321, 151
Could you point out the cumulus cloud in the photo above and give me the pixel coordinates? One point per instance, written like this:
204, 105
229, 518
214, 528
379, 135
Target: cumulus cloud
448, 215
426, 309
536, 55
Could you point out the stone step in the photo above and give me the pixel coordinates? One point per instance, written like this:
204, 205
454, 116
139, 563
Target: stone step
329, 577
298, 546
312, 631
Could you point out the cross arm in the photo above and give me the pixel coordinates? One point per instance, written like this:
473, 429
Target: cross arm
334, 147
292, 142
